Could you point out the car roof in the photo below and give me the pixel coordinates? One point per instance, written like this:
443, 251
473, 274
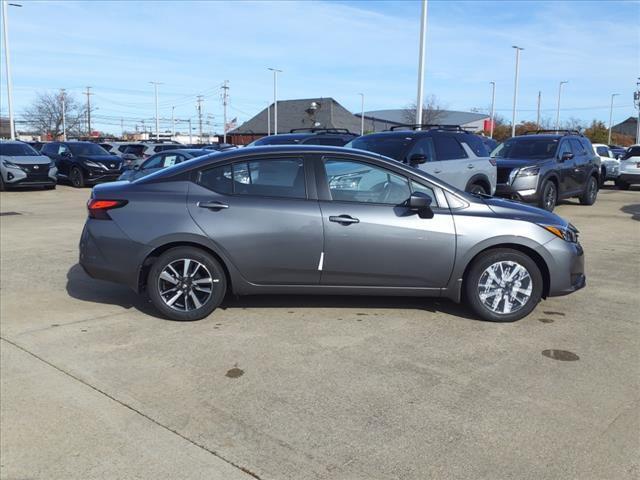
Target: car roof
181, 150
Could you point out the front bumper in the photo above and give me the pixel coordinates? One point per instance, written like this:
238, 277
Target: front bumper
100, 176
15, 177
566, 267
630, 178
526, 194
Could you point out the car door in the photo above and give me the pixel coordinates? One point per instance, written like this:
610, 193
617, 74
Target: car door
371, 237
581, 164
453, 162
565, 168
263, 214
64, 158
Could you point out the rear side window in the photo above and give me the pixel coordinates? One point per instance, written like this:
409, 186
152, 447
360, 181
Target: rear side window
476, 144
217, 179
587, 145
602, 151
270, 178
137, 150
448, 148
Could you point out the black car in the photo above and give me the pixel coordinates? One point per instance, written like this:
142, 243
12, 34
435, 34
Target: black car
83, 163
162, 160
544, 166
336, 137
37, 146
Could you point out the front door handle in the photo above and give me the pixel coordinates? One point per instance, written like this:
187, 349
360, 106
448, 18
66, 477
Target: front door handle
437, 171
343, 219
213, 205
470, 166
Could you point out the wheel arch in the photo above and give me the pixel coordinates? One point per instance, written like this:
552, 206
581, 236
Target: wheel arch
479, 179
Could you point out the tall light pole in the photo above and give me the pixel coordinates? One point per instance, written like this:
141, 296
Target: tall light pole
225, 102
558, 110
155, 89
173, 122
636, 101
515, 90
613, 95
5, 29
423, 34
275, 98
493, 107
538, 113
269, 118
64, 114
361, 113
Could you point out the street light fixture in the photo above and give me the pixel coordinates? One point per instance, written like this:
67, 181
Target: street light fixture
361, 113
613, 95
155, 89
515, 90
423, 33
275, 98
493, 109
7, 57
558, 110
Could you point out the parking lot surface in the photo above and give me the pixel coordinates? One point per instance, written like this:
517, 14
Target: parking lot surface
95, 385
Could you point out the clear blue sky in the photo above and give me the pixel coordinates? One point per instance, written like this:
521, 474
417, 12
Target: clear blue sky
328, 48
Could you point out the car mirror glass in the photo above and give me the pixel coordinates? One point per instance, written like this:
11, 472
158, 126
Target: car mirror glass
417, 159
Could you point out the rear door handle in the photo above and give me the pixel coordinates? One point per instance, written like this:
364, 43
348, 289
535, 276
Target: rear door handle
437, 171
470, 166
213, 205
343, 219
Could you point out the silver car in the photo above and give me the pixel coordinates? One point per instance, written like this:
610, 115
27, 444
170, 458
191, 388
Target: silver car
322, 220
629, 168
22, 166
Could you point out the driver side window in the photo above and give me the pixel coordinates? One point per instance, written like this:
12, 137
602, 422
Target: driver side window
353, 181
63, 149
565, 147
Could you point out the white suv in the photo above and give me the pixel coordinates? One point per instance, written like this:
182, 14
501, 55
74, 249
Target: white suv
629, 168
447, 152
610, 165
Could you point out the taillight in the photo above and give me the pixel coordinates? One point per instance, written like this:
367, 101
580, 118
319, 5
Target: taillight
98, 208
493, 161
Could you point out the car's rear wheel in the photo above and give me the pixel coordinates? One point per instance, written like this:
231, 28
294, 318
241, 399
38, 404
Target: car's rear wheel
548, 196
590, 193
477, 189
2, 186
186, 283
503, 285
77, 177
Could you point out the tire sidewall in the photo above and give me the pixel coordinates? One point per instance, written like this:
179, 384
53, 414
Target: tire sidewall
543, 204
586, 199
488, 258
76, 172
201, 256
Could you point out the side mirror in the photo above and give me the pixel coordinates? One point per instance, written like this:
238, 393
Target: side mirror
137, 167
67, 154
417, 159
421, 204
566, 156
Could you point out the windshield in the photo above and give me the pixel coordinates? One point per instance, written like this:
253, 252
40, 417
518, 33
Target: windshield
17, 150
87, 149
389, 146
527, 148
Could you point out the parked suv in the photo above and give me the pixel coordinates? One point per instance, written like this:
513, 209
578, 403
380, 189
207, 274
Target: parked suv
310, 219
22, 166
609, 164
336, 137
542, 167
629, 168
135, 154
83, 163
447, 152
117, 148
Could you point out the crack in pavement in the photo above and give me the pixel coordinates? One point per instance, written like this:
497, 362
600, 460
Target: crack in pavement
133, 409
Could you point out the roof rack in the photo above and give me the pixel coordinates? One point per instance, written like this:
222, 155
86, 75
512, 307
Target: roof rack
562, 131
321, 130
428, 126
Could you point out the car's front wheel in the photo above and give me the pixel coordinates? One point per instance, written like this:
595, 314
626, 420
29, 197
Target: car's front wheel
548, 196
503, 285
77, 177
590, 193
186, 283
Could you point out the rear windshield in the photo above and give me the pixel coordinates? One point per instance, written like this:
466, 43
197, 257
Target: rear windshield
135, 149
528, 148
392, 146
17, 150
632, 152
87, 149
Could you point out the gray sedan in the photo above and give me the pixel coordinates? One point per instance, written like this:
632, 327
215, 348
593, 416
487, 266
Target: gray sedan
324, 220
162, 160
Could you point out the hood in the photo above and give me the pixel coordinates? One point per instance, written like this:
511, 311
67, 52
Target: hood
518, 162
520, 211
27, 160
107, 160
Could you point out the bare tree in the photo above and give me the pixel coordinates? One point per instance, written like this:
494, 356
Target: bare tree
45, 114
432, 111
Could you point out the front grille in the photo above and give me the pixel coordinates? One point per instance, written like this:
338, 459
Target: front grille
36, 169
503, 174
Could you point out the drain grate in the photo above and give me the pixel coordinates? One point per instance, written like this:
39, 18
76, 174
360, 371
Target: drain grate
2, 214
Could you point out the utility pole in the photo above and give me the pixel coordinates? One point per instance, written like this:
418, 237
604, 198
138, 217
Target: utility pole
88, 94
275, 98
268, 118
5, 29
636, 101
122, 128
493, 107
361, 113
225, 101
558, 110
200, 99
155, 90
613, 95
173, 122
423, 33
64, 121
190, 134
515, 90
538, 114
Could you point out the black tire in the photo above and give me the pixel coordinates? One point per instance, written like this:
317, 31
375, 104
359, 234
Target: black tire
475, 276
2, 186
622, 185
50, 187
590, 193
178, 311
548, 196
477, 188
603, 176
76, 177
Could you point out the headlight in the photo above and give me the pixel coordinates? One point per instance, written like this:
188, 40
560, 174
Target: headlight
568, 233
91, 164
9, 164
528, 171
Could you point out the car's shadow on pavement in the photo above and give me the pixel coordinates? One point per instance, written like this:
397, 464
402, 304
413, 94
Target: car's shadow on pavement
633, 210
87, 289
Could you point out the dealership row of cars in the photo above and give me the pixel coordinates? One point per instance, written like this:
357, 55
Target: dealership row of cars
540, 167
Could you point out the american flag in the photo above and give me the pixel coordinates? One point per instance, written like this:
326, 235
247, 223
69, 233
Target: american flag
231, 124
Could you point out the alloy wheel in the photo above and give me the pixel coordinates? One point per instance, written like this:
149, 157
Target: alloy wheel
505, 287
186, 284
550, 197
